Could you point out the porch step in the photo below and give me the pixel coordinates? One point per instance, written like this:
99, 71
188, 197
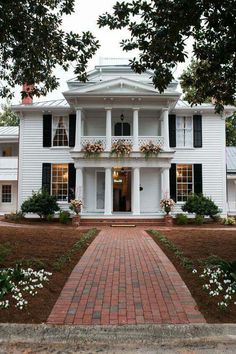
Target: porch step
121, 222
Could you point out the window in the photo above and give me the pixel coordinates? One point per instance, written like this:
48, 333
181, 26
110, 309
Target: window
184, 131
60, 182
7, 151
184, 179
6, 193
60, 131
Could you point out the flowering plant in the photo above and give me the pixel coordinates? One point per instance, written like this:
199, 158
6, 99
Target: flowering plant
167, 204
75, 205
150, 149
121, 149
93, 149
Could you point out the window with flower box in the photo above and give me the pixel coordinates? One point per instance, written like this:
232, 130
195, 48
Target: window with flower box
184, 182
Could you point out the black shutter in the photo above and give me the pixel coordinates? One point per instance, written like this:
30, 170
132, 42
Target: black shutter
173, 182
172, 130
47, 130
71, 181
72, 128
197, 131
197, 178
46, 177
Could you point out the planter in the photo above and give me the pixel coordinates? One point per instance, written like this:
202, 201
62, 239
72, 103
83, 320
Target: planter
76, 220
168, 220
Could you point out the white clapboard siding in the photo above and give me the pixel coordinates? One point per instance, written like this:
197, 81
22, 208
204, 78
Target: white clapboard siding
212, 158
33, 154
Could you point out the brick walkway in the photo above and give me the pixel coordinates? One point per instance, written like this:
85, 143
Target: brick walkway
124, 278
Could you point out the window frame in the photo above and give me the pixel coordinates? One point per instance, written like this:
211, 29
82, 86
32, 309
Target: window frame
65, 201
186, 183
2, 185
54, 117
184, 130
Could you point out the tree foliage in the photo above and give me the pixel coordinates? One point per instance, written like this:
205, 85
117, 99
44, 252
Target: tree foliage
32, 44
8, 117
159, 29
201, 205
231, 130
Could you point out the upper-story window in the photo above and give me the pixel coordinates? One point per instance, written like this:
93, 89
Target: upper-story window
60, 131
184, 131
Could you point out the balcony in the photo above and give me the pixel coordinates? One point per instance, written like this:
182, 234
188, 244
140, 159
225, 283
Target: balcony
142, 140
8, 168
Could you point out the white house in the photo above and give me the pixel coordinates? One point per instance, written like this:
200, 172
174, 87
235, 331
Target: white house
231, 179
118, 105
8, 168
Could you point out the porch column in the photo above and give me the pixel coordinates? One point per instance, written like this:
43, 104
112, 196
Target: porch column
135, 130
136, 191
108, 191
165, 126
78, 130
79, 184
165, 183
108, 129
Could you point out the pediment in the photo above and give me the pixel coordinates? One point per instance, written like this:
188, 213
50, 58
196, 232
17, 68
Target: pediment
119, 86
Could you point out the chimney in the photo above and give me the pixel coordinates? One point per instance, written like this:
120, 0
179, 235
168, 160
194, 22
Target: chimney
27, 99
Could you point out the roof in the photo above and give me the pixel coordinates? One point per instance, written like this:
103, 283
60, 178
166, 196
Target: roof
7, 131
53, 104
231, 159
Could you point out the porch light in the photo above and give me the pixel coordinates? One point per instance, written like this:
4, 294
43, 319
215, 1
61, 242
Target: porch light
122, 117
115, 174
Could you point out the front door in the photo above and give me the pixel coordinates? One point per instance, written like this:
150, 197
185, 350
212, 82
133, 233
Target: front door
121, 190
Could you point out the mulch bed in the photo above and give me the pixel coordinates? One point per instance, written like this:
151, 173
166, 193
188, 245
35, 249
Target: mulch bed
198, 245
45, 245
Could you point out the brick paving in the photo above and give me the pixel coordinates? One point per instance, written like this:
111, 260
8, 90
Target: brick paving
124, 278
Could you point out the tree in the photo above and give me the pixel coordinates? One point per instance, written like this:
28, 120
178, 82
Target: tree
8, 118
231, 130
159, 29
201, 205
32, 44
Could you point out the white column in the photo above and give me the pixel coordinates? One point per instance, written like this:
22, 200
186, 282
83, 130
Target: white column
165, 183
108, 129
136, 191
108, 191
79, 190
78, 130
165, 126
135, 130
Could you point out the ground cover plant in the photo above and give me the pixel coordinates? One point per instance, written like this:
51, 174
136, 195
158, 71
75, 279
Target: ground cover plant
205, 260
24, 252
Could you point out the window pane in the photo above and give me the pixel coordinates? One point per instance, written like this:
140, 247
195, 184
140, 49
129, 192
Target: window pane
184, 182
60, 131
60, 181
6, 193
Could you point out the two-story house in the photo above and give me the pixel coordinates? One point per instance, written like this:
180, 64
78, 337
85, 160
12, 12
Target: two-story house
8, 168
118, 105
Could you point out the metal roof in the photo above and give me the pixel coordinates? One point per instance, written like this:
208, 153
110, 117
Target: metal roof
62, 103
231, 159
9, 131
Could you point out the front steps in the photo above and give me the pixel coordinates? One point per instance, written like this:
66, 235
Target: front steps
124, 222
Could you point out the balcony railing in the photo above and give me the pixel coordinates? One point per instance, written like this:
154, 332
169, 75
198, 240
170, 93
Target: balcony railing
8, 168
142, 140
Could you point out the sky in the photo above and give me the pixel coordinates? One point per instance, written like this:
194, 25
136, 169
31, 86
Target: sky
85, 19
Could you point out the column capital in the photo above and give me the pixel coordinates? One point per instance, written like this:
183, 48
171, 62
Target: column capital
136, 108
165, 109
108, 108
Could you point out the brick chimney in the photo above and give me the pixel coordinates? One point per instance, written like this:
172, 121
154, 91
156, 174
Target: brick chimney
27, 99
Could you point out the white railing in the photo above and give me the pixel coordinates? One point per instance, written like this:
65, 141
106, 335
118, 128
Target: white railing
124, 139
8, 163
93, 139
143, 140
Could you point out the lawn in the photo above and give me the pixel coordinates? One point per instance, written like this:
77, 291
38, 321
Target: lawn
197, 246
57, 250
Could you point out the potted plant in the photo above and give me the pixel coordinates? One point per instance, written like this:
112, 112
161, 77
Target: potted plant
75, 206
121, 149
150, 149
167, 204
93, 149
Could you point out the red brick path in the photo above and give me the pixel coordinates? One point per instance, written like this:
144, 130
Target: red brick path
124, 278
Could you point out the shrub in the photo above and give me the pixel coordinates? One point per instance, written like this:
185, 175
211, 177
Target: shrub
64, 217
201, 205
181, 219
50, 217
17, 216
41, 203
228, 221
199, 219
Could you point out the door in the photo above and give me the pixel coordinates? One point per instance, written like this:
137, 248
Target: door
122, 129
121, 190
